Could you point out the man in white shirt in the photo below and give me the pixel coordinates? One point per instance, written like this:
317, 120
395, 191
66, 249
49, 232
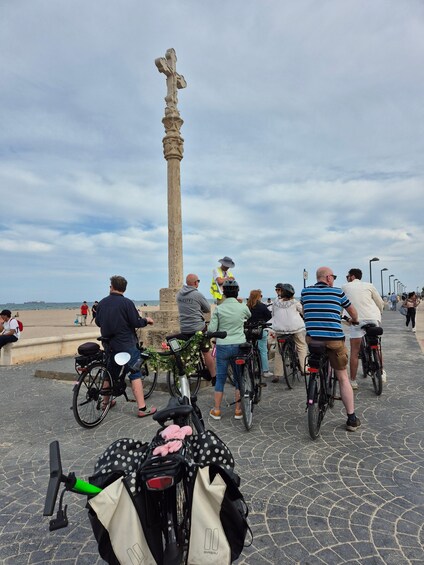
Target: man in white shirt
369, 305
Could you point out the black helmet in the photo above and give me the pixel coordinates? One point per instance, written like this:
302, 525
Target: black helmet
279, 286
287, 290
230, 288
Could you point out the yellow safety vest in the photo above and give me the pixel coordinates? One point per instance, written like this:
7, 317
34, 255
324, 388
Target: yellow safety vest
214, 290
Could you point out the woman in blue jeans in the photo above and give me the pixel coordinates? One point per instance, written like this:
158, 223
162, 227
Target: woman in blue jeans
260, 313
229, 316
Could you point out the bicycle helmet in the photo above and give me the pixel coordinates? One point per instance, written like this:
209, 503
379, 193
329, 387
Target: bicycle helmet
287, 291
230, 288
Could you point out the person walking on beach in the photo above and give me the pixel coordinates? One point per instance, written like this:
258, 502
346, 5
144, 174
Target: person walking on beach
94, 311
411, 303
10, 332
322, 307
192, 306
369, 305
117, 318
219, 276
84, 312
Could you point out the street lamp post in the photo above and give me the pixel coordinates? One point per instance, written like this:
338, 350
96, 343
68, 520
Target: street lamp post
394, 285
371, 260
381, 274
390, 276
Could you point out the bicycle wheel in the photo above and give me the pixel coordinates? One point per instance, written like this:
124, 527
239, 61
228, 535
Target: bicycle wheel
289, 365
257, 372
150, 377
173, 382
89, 403
246, 395
376, 372
315, 407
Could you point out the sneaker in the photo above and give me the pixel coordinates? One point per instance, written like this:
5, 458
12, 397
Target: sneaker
215, 414
143, 412
354, 385
267, 374
238, 415
383, 376
353, 425
414, 330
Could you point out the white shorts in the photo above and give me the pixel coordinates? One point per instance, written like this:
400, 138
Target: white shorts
357, 332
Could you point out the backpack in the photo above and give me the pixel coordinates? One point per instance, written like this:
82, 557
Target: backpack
20, 325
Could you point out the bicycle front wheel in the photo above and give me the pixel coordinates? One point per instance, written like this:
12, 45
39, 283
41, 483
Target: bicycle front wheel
364, 359
150, 377
290, 367
90, 404
334, 387
376, 373
173, 382
246, 396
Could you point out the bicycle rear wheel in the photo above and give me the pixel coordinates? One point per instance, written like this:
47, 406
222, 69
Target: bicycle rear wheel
246, 395
334, 387
316, 409
150, 377
90, 404
290, 367
173, 382
376, 372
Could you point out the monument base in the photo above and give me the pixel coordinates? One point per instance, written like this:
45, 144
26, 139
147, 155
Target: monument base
166, 319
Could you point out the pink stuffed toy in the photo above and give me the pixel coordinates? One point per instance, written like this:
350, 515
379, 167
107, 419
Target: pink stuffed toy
173, 435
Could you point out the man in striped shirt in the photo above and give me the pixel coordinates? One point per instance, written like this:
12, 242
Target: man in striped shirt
322, 307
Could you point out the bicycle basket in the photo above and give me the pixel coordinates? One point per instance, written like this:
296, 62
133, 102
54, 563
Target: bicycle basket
88, 349
253, 334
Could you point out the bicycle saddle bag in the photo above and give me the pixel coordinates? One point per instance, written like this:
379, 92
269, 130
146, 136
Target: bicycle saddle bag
316, 347
245, 347
374, 331
88, 349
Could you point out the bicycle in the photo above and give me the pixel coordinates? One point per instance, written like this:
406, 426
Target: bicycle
92, 400
249, 375
291, 364
321, 388
371, 357
165, 482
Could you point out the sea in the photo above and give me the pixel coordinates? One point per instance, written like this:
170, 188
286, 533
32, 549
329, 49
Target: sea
40, 305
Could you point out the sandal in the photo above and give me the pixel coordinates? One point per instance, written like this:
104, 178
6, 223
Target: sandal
143, 412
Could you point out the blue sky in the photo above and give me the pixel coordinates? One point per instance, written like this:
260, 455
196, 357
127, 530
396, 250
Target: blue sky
303, 129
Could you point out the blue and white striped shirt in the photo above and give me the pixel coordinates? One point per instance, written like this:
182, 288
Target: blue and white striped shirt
322, 306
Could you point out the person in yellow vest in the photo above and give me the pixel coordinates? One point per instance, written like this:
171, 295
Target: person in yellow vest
219, 276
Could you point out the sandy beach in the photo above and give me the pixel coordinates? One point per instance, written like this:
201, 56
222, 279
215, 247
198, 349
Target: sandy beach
49, 323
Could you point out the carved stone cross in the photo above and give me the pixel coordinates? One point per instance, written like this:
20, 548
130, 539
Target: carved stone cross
174, 81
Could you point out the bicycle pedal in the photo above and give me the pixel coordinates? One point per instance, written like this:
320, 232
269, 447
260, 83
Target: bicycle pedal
337, 397
263, 384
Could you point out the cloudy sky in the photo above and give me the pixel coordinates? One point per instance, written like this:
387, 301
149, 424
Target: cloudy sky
303, 129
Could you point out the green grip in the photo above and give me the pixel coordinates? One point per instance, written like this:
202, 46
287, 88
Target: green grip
82, 487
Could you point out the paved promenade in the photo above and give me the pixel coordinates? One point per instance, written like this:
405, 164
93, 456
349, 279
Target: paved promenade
347, 498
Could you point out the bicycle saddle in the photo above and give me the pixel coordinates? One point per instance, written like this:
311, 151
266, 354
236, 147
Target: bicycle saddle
173, 410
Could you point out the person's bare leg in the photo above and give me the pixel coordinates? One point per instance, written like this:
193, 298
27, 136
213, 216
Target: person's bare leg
355, 345
218, 399
346, 391
137, 388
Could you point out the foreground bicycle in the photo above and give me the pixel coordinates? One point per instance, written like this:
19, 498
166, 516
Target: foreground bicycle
95, 390
141, 495
321, 387
371, 357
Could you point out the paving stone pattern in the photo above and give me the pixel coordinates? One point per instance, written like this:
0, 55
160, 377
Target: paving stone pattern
345, 498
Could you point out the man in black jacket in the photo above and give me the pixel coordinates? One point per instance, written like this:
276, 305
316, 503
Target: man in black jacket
117, 318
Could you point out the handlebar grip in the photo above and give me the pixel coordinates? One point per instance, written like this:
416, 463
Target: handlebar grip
219, 335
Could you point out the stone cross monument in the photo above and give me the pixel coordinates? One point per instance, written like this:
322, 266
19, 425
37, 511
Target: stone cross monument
173, 147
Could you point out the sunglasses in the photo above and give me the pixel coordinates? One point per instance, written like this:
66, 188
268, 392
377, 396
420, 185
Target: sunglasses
334, 276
